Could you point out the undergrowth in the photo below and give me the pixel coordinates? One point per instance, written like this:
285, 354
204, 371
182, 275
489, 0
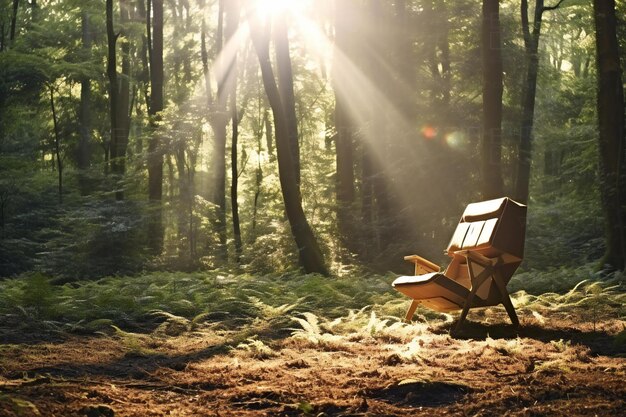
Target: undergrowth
186, 300
312, 308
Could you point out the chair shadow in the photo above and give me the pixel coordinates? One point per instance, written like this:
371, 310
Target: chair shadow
598, 342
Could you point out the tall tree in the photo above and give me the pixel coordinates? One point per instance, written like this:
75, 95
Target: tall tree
13, 27
531, 48
118, 95
492, 100
57, 143
113, 83
219, 118
612, 135
232, 22
345, 129
155, 153
84, 114
285, 87
310, 254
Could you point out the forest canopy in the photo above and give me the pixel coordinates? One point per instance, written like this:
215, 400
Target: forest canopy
325, 135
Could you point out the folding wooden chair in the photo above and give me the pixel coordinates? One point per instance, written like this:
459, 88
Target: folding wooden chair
486, 249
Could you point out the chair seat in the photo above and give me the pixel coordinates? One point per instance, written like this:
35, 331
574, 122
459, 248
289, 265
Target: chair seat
434, 290
438, 292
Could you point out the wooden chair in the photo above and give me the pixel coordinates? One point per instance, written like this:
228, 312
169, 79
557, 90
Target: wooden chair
486, 249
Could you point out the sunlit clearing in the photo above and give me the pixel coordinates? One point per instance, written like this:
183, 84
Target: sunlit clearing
271, 8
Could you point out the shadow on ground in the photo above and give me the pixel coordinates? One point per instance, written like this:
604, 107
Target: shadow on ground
598, 342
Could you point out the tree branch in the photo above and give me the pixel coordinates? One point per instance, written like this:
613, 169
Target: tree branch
549, 8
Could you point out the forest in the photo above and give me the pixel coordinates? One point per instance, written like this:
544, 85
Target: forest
204, 205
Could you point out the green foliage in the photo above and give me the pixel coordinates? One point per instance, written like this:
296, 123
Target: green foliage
592, 298
426, 51
563, 232
181, 302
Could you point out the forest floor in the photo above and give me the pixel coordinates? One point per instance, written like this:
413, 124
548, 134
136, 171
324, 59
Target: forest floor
561, 364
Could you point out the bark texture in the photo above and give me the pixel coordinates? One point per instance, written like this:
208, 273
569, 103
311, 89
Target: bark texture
612, 138
493, 186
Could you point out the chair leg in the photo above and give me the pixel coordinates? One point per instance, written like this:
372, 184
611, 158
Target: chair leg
506, 299
477, 282
411, 312
466, 307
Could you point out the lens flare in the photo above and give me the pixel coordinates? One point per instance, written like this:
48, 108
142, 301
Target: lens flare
429, 132
456, 139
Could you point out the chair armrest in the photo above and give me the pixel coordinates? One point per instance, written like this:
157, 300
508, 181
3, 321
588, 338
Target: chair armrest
422, 266
477, 257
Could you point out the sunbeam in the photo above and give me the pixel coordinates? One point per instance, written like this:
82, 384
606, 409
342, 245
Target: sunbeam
366, 100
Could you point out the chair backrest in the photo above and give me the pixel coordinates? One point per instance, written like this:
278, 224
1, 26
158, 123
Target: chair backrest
493, 228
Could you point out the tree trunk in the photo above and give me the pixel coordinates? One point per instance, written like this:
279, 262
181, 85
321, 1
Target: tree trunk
219, 120
84, 115
531, 45
112, 76
118, 98
234, 188
155, 153
492, 101
57, 144
344, 138
232, 23
258, 133
285, 87
310, 254
123, 104
16, 4
612, 138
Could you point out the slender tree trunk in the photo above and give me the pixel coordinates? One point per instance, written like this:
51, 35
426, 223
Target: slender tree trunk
269, 137
57, 144
382, 131
492, 100
219, 120
16, 4
123, 103
234, 189
310, 254
112, 76
612, 139
155, 153
84, 114
2, 38
344, 138
258, 174
204, 55
285, 87
231, 26
183, 188
531, 44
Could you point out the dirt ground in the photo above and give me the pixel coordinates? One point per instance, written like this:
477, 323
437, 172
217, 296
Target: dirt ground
556, 367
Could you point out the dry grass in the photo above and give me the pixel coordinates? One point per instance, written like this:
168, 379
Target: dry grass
270, 356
